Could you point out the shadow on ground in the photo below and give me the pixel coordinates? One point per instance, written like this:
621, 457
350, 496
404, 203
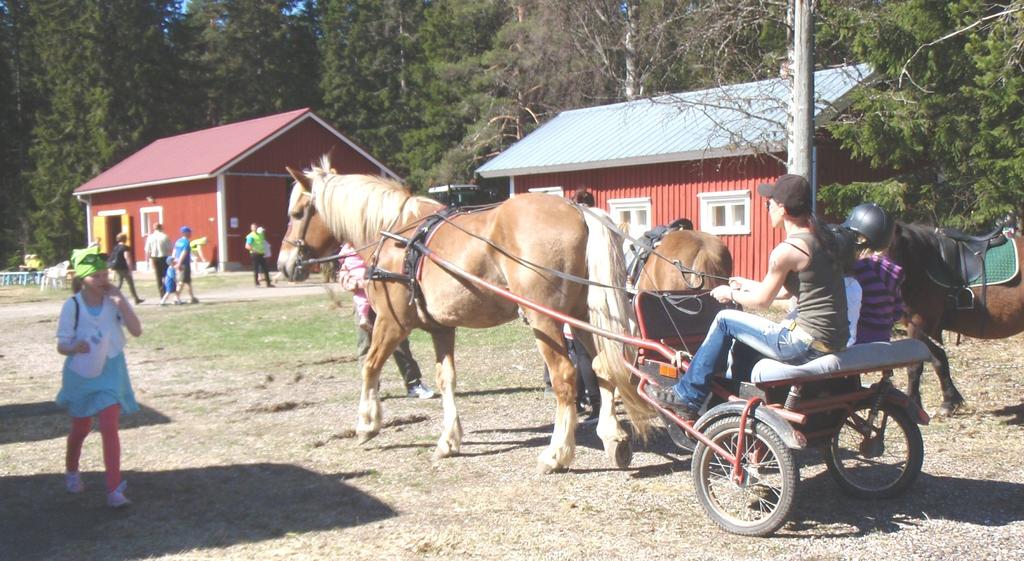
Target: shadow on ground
1014, 412
821, 505
32, 422
178, 510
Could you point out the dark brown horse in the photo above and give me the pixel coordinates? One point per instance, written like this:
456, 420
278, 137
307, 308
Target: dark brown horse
516, 244
694, 251
998, 310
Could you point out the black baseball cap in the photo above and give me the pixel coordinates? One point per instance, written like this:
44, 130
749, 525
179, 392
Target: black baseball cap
791, 191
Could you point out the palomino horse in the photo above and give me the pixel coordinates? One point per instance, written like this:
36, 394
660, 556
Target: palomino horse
516, 244
998, 310
698, 252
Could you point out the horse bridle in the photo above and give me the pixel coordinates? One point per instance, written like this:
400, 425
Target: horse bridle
302, 247
300, 243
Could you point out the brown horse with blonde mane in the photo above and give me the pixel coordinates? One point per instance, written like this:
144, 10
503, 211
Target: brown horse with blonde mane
517, 244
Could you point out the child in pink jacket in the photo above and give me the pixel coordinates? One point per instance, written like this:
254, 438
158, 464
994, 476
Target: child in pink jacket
353, 279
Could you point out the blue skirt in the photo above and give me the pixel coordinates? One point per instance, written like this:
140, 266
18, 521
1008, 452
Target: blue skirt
86, 397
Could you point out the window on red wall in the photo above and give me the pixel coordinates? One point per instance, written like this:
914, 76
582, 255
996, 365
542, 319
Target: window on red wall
149, 217
725, 212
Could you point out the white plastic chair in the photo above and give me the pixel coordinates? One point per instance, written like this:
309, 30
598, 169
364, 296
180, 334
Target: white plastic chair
54, 276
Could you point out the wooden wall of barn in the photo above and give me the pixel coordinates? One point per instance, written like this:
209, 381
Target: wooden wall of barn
264, 200
673, 188
301, 146
188, 203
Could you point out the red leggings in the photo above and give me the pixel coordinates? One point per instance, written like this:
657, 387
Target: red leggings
80, 427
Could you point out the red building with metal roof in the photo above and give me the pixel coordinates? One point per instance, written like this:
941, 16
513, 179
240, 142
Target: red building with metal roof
697, 155
217, 181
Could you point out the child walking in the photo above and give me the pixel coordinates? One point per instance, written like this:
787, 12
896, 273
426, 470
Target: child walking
170, 284
95, 376
353, 275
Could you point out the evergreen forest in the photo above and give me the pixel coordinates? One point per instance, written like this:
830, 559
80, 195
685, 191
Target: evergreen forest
434, 88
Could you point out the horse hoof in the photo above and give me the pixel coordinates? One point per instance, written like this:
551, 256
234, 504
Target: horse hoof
544, 468
440, 454
620, 452
947, 411
364, 437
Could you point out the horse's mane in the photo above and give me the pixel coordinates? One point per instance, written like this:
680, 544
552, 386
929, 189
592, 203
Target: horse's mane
358, 207
914, 247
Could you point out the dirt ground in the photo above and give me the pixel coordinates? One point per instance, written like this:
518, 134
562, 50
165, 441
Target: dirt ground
227, 463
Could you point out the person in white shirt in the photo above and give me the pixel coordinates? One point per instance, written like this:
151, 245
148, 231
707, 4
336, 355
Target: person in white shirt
94, 380
157, 247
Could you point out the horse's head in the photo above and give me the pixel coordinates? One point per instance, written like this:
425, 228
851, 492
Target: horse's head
308, 236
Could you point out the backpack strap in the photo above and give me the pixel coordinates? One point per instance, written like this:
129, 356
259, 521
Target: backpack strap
75, 300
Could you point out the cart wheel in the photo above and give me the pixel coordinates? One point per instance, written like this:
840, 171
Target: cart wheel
760, 504
878, 461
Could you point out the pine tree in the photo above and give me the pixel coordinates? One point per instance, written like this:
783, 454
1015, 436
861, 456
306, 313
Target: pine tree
106, 69
368, 49
454, 92
10, 205
259, 56
17, 106
947, 116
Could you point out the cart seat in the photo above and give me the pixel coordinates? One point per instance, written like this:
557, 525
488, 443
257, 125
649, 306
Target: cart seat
866, 357
677, 318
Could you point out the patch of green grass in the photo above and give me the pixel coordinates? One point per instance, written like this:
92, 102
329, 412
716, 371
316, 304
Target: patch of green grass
301, 330
252, 334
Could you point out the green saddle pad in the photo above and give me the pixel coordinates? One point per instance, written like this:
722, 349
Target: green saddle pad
1002, 264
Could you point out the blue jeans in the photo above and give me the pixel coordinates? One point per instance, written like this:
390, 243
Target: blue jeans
768, 338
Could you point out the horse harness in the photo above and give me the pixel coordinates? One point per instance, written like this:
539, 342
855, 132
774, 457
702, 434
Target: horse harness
412, 262
643, 247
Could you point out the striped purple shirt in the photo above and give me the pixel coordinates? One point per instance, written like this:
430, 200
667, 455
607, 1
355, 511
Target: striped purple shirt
882, 304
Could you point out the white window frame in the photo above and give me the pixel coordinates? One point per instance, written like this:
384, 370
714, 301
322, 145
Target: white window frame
615, 206
117, 212
143, 225
549, 190
729, 198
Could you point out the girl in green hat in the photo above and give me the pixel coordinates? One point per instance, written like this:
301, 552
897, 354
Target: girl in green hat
95, 378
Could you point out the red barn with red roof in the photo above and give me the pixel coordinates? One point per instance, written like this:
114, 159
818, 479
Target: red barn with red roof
216, 181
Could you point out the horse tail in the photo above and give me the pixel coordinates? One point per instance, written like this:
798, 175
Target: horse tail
713, 259
609, 309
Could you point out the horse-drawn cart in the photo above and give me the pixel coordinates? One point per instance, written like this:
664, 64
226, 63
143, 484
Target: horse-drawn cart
743, 469
504, 261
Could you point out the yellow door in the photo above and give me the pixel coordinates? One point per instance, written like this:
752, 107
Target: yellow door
126, 226
99, 233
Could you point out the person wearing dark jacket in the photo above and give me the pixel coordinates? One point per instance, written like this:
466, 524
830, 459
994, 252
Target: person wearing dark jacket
122, 263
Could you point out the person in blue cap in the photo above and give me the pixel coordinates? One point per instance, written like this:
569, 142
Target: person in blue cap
183, 262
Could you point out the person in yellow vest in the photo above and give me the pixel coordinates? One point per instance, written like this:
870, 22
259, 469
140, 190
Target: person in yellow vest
256, 243
32, 262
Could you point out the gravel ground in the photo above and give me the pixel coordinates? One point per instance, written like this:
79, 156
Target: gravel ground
227, 464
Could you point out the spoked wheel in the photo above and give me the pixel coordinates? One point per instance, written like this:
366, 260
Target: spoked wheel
877, 460
759, 504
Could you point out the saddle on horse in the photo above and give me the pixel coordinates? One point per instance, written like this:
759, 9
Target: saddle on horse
963, 256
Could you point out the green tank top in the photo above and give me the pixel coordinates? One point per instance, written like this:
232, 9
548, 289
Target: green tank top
256, 242
821, 296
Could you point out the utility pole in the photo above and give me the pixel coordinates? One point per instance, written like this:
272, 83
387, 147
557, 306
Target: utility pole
800, 133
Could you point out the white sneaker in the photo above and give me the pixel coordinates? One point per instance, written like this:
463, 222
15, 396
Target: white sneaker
420, 391
116, 498
73, 482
